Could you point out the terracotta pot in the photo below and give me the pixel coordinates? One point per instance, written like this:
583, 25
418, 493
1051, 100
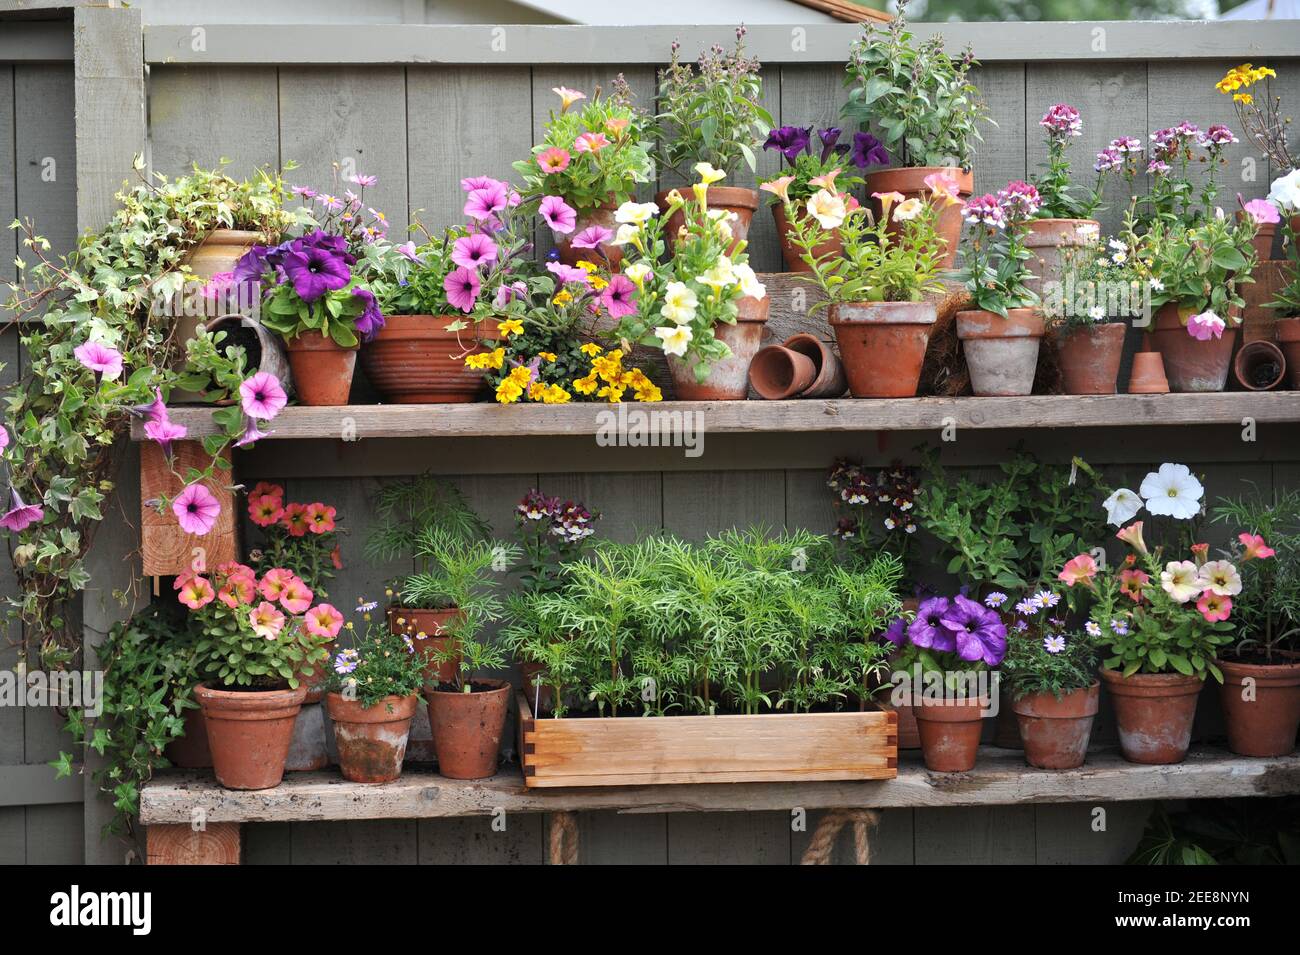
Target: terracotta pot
1001, 353
950, 733
728, 379
791, 252
831, 381
1259, 366
1054, 732
1262, 719
1287, 332
467, 728
263, 350
1006, 728
1265, 232
604, 216
1046, 240
1147, 376
191, 750
909, 734
371, 740
882, 345
308, 748
910, 181
778, 372
249, 733
1154, 712
1190, 364
431, 623
415, 360
743, 202
1089, 357
320, 671
322, 371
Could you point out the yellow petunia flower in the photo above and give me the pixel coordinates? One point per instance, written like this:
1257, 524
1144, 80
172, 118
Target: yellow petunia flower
511, 326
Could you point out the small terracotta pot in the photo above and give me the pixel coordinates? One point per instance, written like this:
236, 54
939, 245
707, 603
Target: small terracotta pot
1089, 356
1265, 232
1191, 364
831, 381
1046, 240
882, 345
320, 671
1154, 712
1001, 353
791, 253
263, 350
950, 733
322, 371
415, 360
371, 740
249, 733
467, 728
910, 181
778, 372
1055, 732
728, 379
308, 748
743, 202
191, 750
604, 216
431, 623
1259, 366
1262, 717
1147, 377
909, 734
1287, 333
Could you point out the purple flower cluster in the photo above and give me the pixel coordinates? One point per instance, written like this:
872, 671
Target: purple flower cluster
1019, 200
792, 141
1062, 121
570, 522
1113, 156
891, 494
1167, 142
954, 625
985, 210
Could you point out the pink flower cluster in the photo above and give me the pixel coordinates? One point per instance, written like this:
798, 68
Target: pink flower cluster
1062, 121
1017, 202
276, 600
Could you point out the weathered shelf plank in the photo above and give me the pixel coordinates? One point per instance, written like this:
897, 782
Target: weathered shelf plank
1000, 778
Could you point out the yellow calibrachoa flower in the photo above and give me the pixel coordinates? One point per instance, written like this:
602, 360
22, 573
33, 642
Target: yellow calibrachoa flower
587, 266
546, 355
598, 283
511, 326
590, 349
508, 391
587, 385
564, 297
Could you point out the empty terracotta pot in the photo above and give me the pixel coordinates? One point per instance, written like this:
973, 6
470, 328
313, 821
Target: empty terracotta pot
1046, 240
1261, 706
613, 254
743, 202
467, 728
882, 345
1191, 364
371, 740
778, 372
1089, 356
414, 359
263, 350
1001, 353
791, 253
431, 623
910, 181
728, 379
1147, 377
1259, 366
249, 733
1055, 732
322, 371
1154, 712
191, 750
950, 733
830, 381
1287, 332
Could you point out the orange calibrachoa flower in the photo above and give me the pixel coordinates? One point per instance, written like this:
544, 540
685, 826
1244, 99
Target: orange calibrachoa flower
295, 519
320, 518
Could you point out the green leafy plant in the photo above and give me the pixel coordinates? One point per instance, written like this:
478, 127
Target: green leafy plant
374, 666
1044, 654
1222, 832
1201, 268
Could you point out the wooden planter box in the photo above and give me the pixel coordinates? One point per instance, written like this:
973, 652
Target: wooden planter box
659, 750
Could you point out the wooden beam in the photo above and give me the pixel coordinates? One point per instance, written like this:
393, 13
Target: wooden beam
40, 41
215, 844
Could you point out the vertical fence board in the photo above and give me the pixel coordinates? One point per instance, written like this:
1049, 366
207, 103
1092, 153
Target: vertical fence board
365, 842
700, 503
629, 504
55, 835
45, 153
205, 114
1000, 157
729, 838
1065, 834
610, 838
975, 836
8, 186
475, 842
268, 844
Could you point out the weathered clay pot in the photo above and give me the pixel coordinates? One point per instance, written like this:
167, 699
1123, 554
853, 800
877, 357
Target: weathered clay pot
1147, 377
467, 728
1001, 353
415, 360
728, 379
1054, 732
1191, 364
1089, 356
603, 216
910, 181
1259, 366
950, 733
371, 740
431, 623
778, 372
322, 371
1287, 332
191, 750
791, 253
308, 748
1046, 240
882, 345
1154, 712
263, 350
1262, 718
831, 382
743, 202
249, 733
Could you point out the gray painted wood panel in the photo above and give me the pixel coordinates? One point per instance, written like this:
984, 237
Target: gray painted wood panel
45, 153
199, 115
8, 185
1000, 156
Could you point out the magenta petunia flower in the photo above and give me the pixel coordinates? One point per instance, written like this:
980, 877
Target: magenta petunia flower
473, 251
20, 516
252, 433
486, 202
508, 293
407, 249
559, 215
4, 437
619, 296
1261, 211
567, 273
470, 183
197, 509
262, 396
314, 271
462, 286
104, 360
592, 237
164, 432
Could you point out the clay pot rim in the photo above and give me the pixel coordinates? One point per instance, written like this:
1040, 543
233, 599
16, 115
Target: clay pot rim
498, 687
928, 313
1287, 329
1273, 673
232, 237
248, 700
1260, 344
314, 341
1048, 226
759, 385
738, 197
1096, 328
757, 312
1028, 322
428, 328
965, 177
352, 711
951, 711
1151, 684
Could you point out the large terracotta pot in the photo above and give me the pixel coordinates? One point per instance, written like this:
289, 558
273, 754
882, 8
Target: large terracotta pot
950, 733
1001, 353
743, 202
1154, 712
1047, 240
791, 253
415, 360
431, 623
882, 345
1055, 732
371, 740
1089, 356
322, 371
1191, 364
1262, 717
604, 216
1259, 366
1287, 332
467, 728
191, 750
249, 733
910, 181
728, 379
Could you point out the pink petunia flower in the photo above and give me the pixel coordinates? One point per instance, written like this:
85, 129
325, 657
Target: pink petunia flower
486, 202
462, 286
590, 143
4, 437
1132, 535
20, 516
553, 160
592, 237
1214, 607
619, 296
252, 434
473, 251
266, 620
567, 273
559, 215
1254, 546
297, 596
1205, 326
323, 620
470, 183
262, 396
104, 360
197, 509
1261, 211
195, 591
1078, 570
275, 582
407, 249
164, 432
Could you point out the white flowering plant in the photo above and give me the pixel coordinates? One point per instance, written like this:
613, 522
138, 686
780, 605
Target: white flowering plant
1100, 280
1284, 197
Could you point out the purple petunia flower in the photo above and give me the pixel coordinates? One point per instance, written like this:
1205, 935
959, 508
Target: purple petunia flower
896, 632
371, 319
829, 137
462, 287
790, 141
978, 632
251, 265
927, 630
559, 215
315, 270
868, 151
473, 251
592, 237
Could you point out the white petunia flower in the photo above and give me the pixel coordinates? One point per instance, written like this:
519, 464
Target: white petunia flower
1172, 491
1121, 507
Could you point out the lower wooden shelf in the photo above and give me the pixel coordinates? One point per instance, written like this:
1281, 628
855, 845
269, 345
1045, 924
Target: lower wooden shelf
1000, 778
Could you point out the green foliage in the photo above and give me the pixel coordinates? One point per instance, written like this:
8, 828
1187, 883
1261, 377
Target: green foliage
995, 267
377, 665
1029, 667
411, 508
333, 315
1201, 266
212, 370
1286, 301
1267, 611
1222, 832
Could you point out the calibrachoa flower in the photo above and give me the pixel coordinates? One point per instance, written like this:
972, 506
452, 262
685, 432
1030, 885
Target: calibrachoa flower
1181, 581
1220, 577
590, 143
104, 360
296, 596
265, 510
1214, 607
275, 582
196, 509
266, 620
294, 519
1080, 569
553, 160
194, 591
262, 396
323, 620
320, 518
1254, 546
1132, 582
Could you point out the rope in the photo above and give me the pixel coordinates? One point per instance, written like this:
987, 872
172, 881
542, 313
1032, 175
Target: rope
564, 838
828, 833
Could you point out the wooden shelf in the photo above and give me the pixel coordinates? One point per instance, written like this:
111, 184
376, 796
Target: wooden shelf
487, 419
1000, 778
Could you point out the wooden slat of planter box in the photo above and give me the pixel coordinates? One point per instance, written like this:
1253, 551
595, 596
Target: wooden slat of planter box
707, 749
166, 549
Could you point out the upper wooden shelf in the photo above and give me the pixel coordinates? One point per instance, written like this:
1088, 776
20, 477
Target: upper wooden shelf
1000, 778
488, 419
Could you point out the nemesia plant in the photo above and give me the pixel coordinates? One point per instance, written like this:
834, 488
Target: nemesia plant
374, 666
809, 162
995, 273
875, 508
1175, 150
1062, 123
301, 537
551, 533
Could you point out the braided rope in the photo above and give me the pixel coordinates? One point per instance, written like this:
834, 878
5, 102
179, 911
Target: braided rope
827, 833
564, 838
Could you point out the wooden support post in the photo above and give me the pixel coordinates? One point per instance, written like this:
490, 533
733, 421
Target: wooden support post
216, 844
166, 549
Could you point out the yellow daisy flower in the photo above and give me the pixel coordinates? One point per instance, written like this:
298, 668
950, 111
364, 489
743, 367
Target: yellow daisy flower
546, 355
563, 298
585, 386
508, 392
591, 348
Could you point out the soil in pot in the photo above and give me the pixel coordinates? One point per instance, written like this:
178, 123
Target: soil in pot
1047, 240
743, 202
728, 379
1089, 357
950, 733
1287, 332
1259, 366
1001, 353
414, 359
1154, 712
1263, 715
431, 623
882, 345
604, 216
467, 727
371, 740
191, 750
322, 371
263, 350
791, 253
249, 733
1055, 732
1191, 364
910, 181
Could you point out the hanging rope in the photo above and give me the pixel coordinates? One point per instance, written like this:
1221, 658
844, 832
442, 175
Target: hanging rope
564, 838
827, 834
